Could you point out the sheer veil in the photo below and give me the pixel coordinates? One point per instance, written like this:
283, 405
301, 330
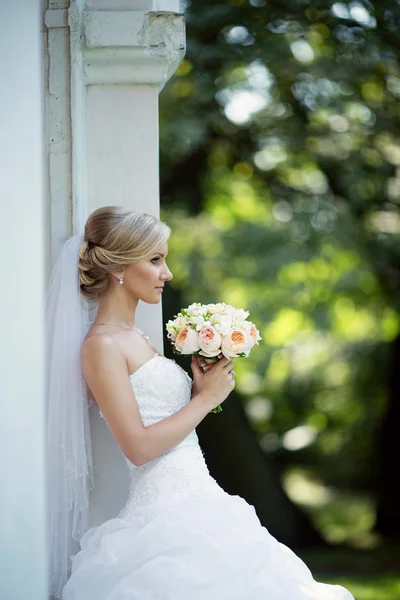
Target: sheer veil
69, 454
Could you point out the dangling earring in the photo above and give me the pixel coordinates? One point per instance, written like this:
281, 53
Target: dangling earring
121, 280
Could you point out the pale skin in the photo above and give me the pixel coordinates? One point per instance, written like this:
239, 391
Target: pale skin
110, 354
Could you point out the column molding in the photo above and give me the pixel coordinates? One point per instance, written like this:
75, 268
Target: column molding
78, 118
132, 46
108, 47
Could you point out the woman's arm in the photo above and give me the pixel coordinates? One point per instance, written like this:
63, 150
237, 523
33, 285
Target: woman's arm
105, 371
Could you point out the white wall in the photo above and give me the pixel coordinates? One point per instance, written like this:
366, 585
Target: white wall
105, 68
23, 565
122, 168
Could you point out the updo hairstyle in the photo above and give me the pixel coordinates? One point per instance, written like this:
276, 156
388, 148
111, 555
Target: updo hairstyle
114, 238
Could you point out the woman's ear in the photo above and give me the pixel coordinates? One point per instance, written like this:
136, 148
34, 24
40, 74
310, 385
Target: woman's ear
117, 274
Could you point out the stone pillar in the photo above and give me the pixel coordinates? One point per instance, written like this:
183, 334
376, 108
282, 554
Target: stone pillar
121, 53
23, 563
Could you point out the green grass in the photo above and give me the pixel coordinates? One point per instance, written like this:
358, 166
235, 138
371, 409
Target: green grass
372, 574
367, 587
359, 560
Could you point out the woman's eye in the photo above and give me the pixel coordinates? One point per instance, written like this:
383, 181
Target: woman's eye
155, 259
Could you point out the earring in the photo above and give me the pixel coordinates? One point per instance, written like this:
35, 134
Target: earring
121, 280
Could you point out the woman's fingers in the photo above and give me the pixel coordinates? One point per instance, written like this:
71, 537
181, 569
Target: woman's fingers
200, 361
196, 369
224, 362
203, 364
206, 366
228, 363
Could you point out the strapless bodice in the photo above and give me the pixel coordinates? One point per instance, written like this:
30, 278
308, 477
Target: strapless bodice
161, 388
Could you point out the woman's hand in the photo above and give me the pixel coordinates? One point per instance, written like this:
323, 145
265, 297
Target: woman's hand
205, 365
214, 380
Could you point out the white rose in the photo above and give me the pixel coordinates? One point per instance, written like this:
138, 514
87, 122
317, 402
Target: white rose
194, 306
181, 322
203, 324
239, 316
172, 333
201, 310
221, 322
197, 320
216, 308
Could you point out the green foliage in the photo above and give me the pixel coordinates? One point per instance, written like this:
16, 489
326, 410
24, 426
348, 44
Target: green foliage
368, 587
369, 574
280, 168
341, 516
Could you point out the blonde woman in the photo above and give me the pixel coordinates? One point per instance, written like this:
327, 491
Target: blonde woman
180, 536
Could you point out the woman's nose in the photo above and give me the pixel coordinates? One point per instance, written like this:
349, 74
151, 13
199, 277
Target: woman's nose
168, 275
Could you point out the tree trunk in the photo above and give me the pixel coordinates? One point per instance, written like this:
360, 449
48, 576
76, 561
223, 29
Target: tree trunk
237, 462
388, 484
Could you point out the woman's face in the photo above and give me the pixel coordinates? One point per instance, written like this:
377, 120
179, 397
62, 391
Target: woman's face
146, 278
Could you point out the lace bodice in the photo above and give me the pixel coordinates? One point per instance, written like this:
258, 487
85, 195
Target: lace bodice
161, 388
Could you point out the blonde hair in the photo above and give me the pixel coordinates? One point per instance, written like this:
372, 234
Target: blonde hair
115, 237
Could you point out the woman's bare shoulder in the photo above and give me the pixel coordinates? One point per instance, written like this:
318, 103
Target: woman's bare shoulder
128, 348
97, 349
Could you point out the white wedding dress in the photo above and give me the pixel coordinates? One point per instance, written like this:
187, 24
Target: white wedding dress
180, 536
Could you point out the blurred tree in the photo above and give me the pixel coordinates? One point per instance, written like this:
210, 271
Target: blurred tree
280, 155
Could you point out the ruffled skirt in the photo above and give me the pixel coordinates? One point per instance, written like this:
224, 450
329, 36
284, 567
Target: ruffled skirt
205, 547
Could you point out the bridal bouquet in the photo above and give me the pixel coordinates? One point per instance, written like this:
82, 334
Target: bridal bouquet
212, 329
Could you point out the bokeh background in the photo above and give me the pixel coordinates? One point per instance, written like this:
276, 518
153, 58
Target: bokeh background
280, 179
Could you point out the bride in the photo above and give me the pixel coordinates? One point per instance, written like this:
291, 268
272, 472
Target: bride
180, 536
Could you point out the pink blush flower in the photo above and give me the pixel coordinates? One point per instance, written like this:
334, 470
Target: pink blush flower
187, 341
253, 336
209, 341
234, 342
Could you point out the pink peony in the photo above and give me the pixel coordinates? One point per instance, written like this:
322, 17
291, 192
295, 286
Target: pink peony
187, 341
235, 342
209, 341
253, 335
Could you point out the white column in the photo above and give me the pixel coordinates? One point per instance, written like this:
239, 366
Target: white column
23, 564
121, 55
